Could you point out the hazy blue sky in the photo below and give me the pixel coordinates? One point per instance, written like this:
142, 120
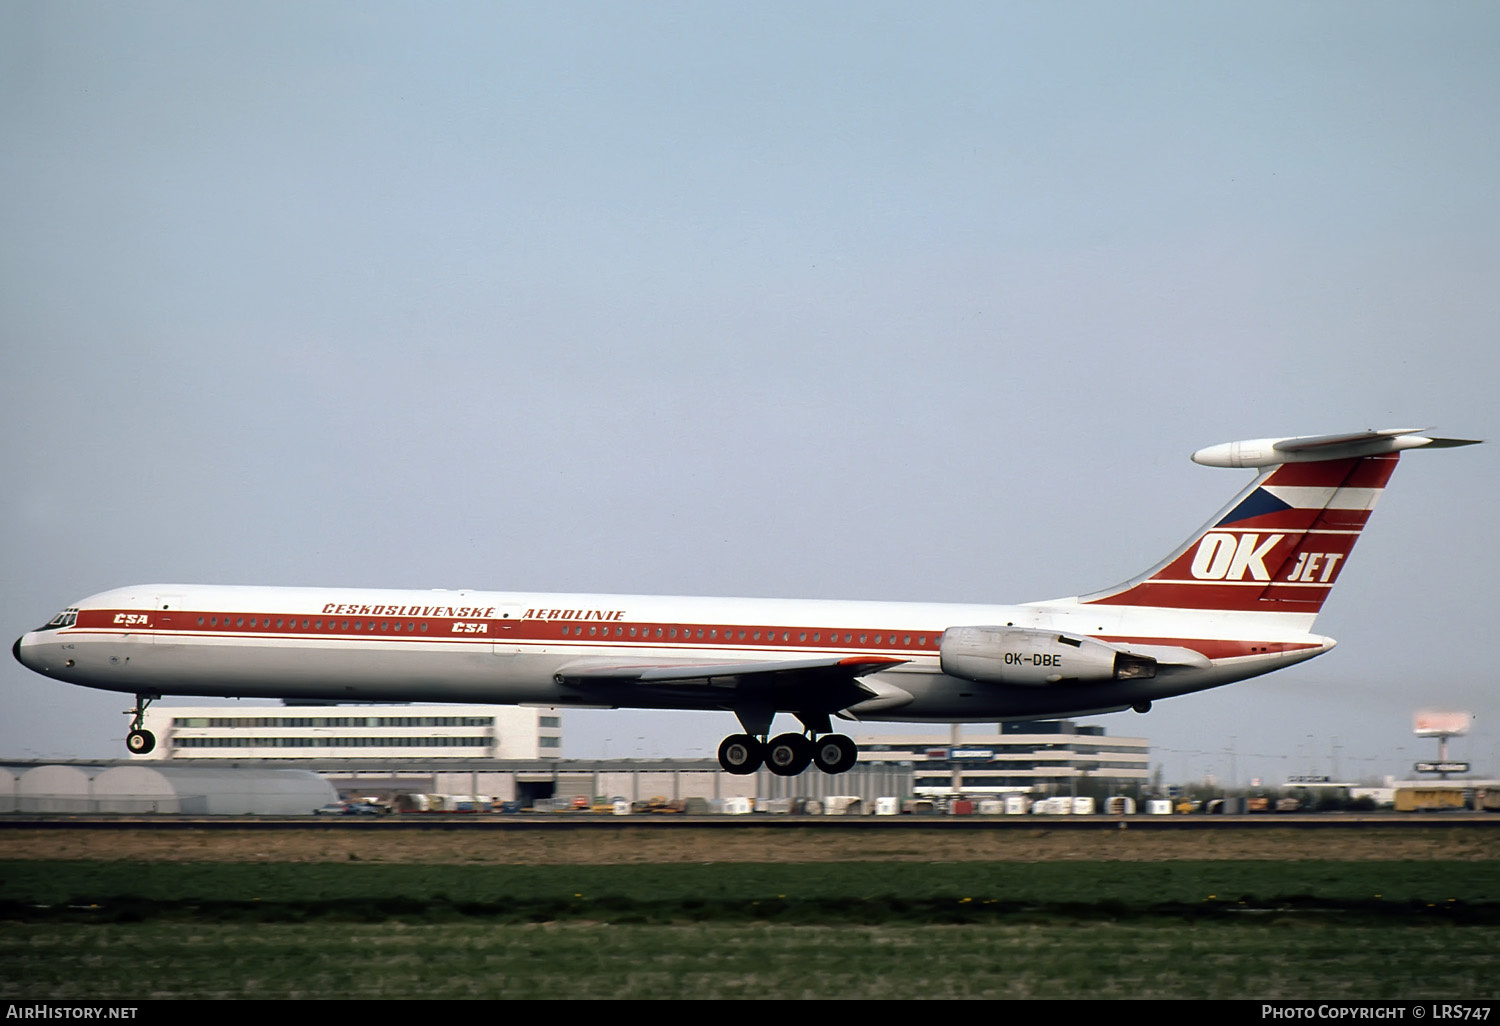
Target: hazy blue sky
846, 300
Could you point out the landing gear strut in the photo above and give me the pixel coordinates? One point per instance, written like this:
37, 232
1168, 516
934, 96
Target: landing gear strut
140, 741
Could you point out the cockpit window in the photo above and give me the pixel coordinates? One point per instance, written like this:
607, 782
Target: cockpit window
67, 618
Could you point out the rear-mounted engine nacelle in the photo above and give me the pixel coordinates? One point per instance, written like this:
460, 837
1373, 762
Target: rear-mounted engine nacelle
1020, 655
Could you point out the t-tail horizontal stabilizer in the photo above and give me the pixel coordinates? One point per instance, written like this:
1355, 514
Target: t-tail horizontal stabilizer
1266, 452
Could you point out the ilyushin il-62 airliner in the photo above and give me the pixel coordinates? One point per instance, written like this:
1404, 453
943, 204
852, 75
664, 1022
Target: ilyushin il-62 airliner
1237, 600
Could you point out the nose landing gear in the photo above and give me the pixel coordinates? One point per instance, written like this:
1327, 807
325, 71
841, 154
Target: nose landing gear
140, 741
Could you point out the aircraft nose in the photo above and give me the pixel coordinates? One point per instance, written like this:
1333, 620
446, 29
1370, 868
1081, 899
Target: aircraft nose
30, 653
21, 651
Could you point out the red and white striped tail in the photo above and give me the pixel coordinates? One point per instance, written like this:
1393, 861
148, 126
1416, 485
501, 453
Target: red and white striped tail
1281, 545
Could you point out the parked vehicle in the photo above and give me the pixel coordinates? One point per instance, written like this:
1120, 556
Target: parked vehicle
346, 809
1428, 799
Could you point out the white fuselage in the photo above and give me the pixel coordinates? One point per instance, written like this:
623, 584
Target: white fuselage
511, 648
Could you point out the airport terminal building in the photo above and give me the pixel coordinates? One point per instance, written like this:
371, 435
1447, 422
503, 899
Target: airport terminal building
1055, 757
308, 732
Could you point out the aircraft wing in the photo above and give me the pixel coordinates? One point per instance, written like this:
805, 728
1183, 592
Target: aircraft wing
820, 685
759, 673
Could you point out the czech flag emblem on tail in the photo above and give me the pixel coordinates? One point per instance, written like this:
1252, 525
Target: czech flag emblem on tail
1281, 545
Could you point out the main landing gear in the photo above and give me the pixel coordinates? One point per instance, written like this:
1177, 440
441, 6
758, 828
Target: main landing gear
140, 741
787, 755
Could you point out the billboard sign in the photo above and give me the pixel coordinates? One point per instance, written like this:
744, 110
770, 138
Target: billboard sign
1432, 723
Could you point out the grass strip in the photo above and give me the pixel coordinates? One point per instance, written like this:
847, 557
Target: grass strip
833, 893
1310, 957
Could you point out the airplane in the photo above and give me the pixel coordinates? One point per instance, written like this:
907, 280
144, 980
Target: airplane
1237, 600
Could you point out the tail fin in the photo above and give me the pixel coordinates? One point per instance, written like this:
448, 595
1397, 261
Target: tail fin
1281, 545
